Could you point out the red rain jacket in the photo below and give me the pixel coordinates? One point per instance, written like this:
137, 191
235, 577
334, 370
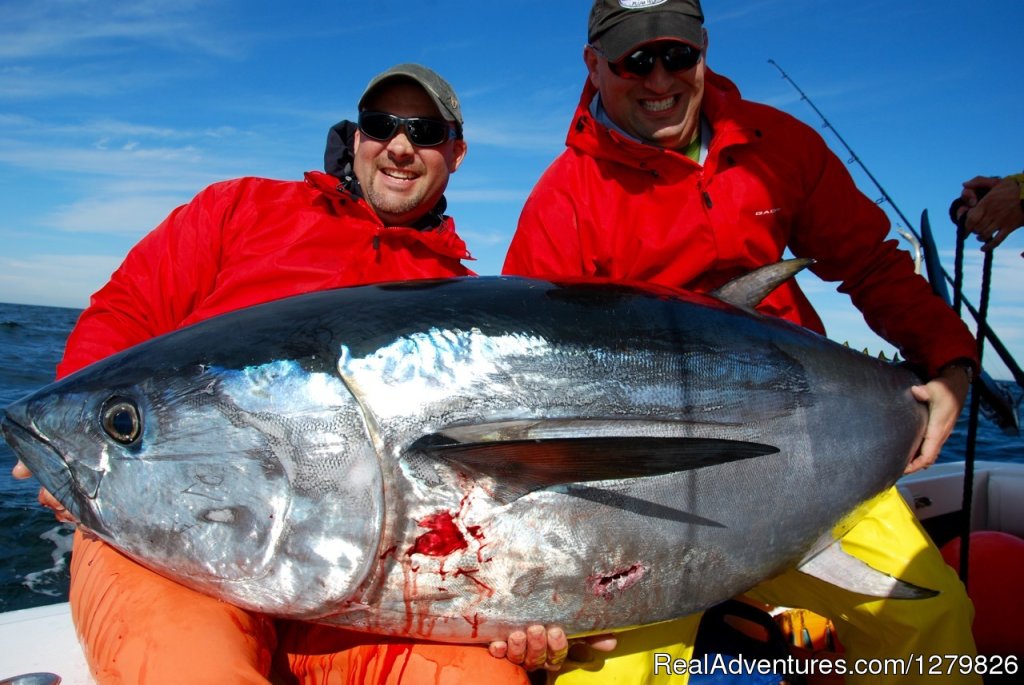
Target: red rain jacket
612, 207
248, 241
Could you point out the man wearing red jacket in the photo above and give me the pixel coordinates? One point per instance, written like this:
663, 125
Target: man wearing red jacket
670, 177
378, 216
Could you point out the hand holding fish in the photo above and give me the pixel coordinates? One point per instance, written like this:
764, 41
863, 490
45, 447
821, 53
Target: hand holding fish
21, 472
945, 396
549, 648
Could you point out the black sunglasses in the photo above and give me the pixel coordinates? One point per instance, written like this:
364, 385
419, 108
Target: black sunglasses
640, 63
422, 132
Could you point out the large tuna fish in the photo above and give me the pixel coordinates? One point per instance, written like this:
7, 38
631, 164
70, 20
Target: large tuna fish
455, 459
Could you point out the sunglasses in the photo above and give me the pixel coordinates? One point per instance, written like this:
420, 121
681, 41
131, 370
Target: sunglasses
640, 63
422, 132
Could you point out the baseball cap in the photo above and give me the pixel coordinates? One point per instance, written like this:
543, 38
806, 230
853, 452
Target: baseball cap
439, 90
621, 25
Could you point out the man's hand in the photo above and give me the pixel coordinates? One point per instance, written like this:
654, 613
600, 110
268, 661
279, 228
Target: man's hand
538, 647
21, 472
945, 396
997, 214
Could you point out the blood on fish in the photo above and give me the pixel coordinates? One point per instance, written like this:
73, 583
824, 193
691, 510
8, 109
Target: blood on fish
442, 538
605, 585
471, 574
478, 534
473, 621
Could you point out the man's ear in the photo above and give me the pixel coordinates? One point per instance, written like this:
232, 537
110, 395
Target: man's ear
591, 59
459, 149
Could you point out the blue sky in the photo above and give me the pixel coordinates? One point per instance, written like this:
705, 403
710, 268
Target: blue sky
113, 113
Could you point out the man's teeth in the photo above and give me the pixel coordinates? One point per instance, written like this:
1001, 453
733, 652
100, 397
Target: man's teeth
403, 175
658, 105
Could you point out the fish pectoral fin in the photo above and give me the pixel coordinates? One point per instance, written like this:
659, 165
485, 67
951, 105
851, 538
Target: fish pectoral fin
522, 466
835, 566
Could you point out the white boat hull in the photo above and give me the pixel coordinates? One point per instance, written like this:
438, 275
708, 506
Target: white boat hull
997, 496
42, 639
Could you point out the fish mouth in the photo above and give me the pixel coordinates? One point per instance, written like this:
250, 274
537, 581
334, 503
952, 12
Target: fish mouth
42, 459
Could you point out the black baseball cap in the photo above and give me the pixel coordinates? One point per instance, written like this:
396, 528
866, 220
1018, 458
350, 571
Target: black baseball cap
621, 25
439, 90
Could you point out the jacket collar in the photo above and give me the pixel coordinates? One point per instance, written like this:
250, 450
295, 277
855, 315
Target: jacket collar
439, 237
338, 160
720, 106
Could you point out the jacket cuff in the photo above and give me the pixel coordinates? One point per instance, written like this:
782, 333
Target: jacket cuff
968, 365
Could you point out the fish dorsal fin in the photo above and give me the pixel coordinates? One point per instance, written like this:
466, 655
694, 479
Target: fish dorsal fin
747, 291
518, 467
835, 566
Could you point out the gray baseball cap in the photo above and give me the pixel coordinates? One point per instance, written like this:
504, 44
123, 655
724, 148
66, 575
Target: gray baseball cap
621, 25
439, 90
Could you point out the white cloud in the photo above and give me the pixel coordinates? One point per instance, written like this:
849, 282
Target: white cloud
99, 158
130, 215
54, 28
109, 157
69, 279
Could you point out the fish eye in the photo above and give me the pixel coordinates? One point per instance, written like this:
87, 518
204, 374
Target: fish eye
121, 420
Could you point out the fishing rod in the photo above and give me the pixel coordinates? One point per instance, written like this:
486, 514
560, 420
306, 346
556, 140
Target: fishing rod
984, 331
853, 155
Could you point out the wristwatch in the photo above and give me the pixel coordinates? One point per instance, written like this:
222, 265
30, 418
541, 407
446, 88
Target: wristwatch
1019, 178
965, 364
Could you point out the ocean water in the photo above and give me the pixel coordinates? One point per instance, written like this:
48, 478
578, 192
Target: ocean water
35, 549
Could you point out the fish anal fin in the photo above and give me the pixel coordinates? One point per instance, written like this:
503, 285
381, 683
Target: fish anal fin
833, 565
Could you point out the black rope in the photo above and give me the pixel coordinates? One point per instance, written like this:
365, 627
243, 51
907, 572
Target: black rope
958, 274
974, 411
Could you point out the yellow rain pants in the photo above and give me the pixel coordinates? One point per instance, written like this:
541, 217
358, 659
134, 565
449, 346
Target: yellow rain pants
890, 539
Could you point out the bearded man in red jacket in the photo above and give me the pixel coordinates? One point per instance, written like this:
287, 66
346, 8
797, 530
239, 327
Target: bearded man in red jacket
377, 216
671, 177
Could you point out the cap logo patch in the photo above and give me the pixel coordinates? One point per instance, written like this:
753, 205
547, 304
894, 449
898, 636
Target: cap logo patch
640, 4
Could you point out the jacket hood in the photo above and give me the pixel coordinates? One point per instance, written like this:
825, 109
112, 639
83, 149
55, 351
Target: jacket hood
339, 156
